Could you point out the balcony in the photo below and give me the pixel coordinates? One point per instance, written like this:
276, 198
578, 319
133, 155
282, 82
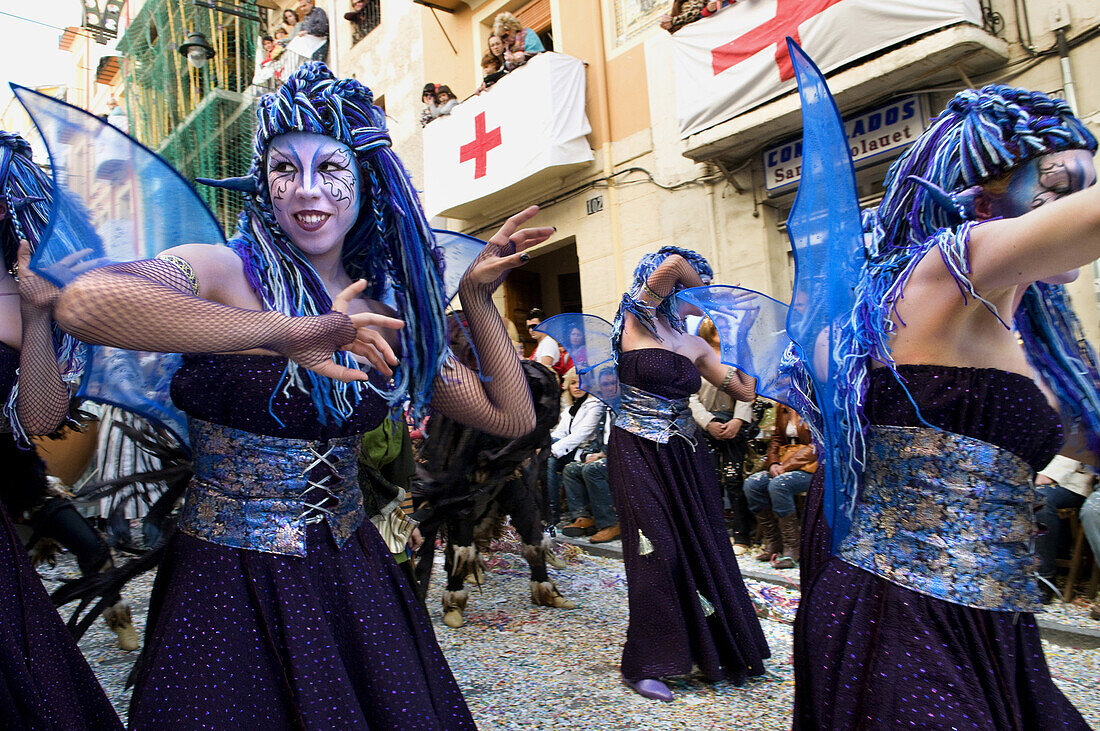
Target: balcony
519, 139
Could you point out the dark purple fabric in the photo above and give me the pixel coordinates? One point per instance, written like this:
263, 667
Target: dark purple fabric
872, 655
244, 639
670, 493
45, 683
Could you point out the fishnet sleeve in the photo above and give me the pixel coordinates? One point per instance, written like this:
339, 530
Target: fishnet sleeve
672, 271
148, 305
739, 386
500, 404
42, 398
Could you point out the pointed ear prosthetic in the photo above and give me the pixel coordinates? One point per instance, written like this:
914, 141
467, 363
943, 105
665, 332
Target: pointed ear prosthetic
244, 184
953, 205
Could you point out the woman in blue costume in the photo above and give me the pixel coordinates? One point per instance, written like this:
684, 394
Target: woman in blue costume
922, 617
278, 605
688, 604
45, 683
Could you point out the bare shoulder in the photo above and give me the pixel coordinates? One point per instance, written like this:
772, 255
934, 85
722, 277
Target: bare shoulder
218, 270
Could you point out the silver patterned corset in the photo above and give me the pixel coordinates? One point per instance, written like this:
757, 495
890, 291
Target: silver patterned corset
948, 516
654, 417
259, 492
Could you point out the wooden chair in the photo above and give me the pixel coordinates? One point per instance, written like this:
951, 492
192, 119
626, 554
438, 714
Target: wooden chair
1080, 558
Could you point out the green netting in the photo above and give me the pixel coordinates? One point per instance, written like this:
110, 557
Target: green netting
200, 120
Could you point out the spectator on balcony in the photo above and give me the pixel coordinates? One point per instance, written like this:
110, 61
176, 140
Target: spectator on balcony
269, 70
520, 43
290, 26
445, 100
496, 47
429, 112
682, 13
314, 26
714, 6
364, 17
492, 69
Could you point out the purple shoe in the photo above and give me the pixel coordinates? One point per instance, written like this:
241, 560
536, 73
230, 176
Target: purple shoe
651, 688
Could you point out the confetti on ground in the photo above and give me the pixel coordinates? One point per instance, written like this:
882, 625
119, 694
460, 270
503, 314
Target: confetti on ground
526, 667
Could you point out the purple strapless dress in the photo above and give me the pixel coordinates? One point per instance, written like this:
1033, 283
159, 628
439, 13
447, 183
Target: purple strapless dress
45, 683
245, 639
670, 493
870, 654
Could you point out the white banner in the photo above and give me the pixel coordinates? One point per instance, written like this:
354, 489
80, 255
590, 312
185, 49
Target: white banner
530, 121
733, 61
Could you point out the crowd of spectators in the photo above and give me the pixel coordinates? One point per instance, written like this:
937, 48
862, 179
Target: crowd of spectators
438, 100
689, 11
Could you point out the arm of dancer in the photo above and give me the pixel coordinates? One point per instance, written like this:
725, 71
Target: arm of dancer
500, 403
176, 304
739, 386
42, 401
662, 282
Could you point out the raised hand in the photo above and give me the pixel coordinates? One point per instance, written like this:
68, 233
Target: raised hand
505, 251
38, 292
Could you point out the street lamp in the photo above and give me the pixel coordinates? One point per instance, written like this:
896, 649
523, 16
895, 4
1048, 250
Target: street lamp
196, 49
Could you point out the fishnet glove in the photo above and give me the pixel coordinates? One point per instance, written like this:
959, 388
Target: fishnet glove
148, 305
501, 404
672, 271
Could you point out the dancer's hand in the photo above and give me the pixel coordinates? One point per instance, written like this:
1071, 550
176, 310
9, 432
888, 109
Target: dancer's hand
505, 251
41, 293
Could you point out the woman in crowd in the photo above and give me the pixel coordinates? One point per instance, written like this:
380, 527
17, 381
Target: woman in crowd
445, 100
277, 604
688, 604
44, 680
923, 614
581, 416
788, 469
430, 110
519, 43
290, 23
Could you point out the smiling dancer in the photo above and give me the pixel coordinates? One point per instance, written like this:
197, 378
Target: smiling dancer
44, 680
688, 604
278, 605
922, 617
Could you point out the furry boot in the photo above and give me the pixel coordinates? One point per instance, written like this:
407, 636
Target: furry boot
118, 619
546, 594
454, 604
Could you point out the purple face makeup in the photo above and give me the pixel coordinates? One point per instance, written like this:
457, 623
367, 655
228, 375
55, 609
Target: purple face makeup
314, 184
1045, 179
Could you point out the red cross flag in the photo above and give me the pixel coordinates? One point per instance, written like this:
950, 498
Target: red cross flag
530, 125
733, 61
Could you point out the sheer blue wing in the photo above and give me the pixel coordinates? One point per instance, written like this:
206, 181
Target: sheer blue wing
587, 339
116, 198
752, 331
826, 237
459, 252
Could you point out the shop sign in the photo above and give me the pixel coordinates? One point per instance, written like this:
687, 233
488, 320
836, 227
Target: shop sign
878, 134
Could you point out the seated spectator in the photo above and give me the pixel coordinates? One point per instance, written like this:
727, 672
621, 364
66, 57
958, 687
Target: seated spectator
587, 490
1090, 523
429, 112
520, 43
714, 6
363, 18
492, 70
1062, 484
682, 13
581, 417
445, 100
770, 493
726, 425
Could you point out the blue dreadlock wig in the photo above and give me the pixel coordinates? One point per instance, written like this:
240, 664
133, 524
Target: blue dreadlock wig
982, 135
632, 297
390, 245
27, 194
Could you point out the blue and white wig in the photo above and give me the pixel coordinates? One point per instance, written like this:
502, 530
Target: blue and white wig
982, 135
390, 245
28, 193
632, 298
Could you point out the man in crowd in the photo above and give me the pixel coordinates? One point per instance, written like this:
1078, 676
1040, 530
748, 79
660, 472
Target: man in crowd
546, 348
314, 23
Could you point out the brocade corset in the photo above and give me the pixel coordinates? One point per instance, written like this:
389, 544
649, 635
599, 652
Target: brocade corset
654, 417
948, 516
260, 492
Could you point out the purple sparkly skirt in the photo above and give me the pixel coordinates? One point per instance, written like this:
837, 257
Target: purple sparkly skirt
251, 640
45, 683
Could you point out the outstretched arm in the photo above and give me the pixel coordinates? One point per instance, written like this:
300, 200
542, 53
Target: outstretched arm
152, 305
500, 404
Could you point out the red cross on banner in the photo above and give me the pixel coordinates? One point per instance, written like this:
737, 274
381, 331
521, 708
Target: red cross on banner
478, 149
789, 14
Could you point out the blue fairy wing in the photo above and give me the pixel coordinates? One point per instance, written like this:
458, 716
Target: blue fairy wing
826, 238
587, 339
118, 199
459, 252
752, 332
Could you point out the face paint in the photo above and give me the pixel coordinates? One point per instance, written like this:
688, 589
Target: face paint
314, 186
1043, 180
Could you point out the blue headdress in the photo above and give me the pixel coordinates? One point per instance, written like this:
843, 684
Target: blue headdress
28, 193
669, 307
982, 135
390, 245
